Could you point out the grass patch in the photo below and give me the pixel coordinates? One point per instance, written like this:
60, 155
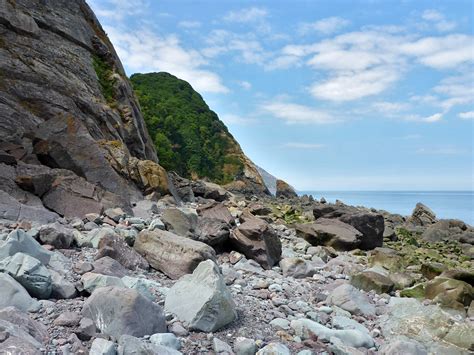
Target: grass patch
104, 72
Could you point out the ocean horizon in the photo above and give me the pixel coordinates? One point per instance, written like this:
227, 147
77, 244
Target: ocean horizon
445, 204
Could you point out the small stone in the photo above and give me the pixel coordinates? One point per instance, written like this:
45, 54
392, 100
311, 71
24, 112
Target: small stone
280, 323
102, 347
178, 329
166, 339
274, 349
221, 347
68, 319
244, 346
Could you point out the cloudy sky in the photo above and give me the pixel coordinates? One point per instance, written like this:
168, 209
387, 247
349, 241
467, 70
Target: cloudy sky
328, 94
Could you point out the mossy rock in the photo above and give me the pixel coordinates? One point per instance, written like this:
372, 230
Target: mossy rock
417, 291
431, 270
449, 292
387, 258
370, 280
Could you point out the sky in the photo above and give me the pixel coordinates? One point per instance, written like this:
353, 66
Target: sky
325, 94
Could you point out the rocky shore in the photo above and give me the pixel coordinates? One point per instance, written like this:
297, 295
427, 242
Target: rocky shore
237, 275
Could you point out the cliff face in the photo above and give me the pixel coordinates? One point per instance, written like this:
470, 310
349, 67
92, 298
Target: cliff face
190, 138
67, 108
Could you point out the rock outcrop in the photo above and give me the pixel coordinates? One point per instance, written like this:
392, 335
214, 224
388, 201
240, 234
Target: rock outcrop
70, 127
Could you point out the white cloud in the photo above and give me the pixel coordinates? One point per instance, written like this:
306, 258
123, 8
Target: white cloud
411, 137
189, 24
425, 119
441, 151
292, 113
303, 145
117, 10
245, 84
251, 14
324, 26
348, 86
390, 107
469, 115
439, 20
441, 52
231, 119
283, 62
249, 49
147, 52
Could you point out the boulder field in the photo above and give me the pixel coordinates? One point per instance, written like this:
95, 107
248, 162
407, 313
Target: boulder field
242, 275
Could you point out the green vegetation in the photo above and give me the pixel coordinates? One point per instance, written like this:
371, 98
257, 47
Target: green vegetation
189, 137
416, 251
104, 72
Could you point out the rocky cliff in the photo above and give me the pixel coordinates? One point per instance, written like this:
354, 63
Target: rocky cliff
190, 138
72, 135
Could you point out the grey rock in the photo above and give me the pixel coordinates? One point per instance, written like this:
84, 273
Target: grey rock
220, 347
299, 268
117, 311
57, 235
306, 328
171, 254
14, 316
115, 247
202, 299
274, 349
115, 214
352, 300
128, 345
91, 281
110, 267
68, 319
19, 241
166, 339
96, 235
17, 340
179, 222
422, 216
257, 240
403, 346
156, 224
102, 347
337, 347
244, 346
280, 323
30, 273
13, 294
62, 288
86, 329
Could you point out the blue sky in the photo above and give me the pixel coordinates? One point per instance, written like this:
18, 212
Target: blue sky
328, 95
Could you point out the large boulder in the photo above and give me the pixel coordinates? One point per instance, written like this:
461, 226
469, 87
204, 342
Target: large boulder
14, 316
352, 300
450, 292
306, 329
283, 189
299, 268
19, 241
258, 241
108, 266
369, 280
57, 235
30, 273
371, 225
117, 311
179, 222
212, 231
216, 211
330, 232
13, 294
171, 254
202, 299
422, 216
116, 248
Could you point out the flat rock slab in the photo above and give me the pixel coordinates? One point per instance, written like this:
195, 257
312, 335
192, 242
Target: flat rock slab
117, 311
171, 254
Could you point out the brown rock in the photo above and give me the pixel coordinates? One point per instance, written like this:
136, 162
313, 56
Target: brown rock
171, 254
217, 211
116, 248
257, 240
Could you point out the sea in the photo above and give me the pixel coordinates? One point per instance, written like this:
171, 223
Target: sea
445, 204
